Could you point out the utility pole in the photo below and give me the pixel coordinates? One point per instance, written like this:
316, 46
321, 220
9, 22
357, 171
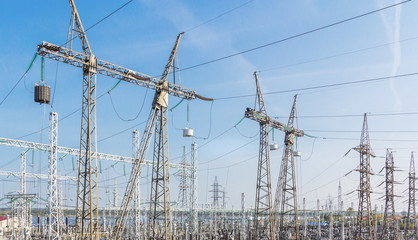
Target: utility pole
389, 222
264, 225
364, 229
54, 228
410, 229
194, 199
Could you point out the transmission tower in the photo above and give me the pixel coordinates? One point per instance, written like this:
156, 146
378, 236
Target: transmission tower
389, 230
286, 194
54, 227
216, 193
184, 186
137, 190
87, 192
410, 226
194, 199
365, 229
264, 225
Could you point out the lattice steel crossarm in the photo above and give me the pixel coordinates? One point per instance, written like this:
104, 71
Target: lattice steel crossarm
76, 152
77, 59
36, 175
262, 118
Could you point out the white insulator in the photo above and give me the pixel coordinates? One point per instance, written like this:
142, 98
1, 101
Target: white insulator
274, 146
188, 132
297, 154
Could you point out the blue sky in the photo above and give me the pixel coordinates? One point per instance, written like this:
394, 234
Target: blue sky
141, 36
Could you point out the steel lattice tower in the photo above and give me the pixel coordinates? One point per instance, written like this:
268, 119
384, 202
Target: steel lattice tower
364, 230
287, 182
184, 186
263, 215
243, 232
264, 221
24, 204
193, 195
54, 227
410, 226
389, 230
137, 190
216, 196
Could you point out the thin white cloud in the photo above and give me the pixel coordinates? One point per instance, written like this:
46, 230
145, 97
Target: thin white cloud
392, 25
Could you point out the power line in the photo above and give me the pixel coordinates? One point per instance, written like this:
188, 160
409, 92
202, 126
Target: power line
337, 55
357, 115
357, 131
101, 20
223, 155
324, 86
218, 16
296, 36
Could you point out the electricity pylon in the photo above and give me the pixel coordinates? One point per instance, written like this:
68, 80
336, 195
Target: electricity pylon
389, 231
410, 225
263, 214
286, 195
364, 229
87, 223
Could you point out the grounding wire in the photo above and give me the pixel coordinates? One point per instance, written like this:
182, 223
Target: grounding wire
324, 86
296, 35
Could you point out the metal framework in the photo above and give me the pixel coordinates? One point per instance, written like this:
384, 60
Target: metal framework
264, 225
24, 218
75, 152
183, 200
87, 191
193, 195
286, 184
216, 193
243, 217
54, 227
389, 231
137, 193
410, 225
364, 229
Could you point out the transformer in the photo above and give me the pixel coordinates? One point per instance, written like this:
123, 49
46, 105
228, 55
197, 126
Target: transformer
42, 93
